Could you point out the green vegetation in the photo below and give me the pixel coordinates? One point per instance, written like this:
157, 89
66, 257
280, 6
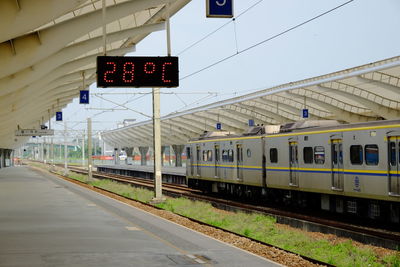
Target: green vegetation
77, 176
256, 226
264, 228
140, 194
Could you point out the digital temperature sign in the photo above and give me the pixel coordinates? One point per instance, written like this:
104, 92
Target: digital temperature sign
137, 71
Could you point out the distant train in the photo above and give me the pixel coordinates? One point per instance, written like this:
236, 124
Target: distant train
122, 155
348, 168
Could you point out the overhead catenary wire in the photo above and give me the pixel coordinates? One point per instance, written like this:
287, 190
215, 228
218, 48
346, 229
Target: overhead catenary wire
219, 28
237, 52
267, 40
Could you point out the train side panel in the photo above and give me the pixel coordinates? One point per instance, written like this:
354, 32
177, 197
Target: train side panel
250, 168
365, 171
314, 163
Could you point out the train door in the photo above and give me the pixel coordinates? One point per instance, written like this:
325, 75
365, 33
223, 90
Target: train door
293, 163
191, 159
198, 159
394, 162
337, 164
239, 161
217, 159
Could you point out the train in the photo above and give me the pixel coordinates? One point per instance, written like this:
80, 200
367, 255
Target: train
351, 169
122, 155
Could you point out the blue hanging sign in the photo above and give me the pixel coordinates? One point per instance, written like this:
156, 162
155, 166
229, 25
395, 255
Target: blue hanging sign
305, 113
59, 116
251, 123
84, 97
219, 8
218, 126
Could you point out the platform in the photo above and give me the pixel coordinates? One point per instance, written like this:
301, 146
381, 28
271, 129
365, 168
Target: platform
169, 174
46, 221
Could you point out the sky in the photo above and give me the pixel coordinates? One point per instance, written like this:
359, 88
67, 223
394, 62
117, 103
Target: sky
360, 32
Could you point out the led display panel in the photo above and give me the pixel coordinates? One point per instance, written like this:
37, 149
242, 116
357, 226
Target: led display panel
113, 71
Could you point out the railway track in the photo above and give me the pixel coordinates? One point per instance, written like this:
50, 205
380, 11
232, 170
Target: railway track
379, 237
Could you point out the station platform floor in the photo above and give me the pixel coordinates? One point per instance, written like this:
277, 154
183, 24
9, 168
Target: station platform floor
47, 221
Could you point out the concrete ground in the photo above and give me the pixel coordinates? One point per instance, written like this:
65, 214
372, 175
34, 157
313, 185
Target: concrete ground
46, 221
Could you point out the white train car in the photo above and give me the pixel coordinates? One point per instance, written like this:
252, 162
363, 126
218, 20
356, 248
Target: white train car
351, 168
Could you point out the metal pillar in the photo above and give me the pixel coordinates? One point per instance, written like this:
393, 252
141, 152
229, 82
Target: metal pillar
60, 151
157, 146
129, 151
89, 134
12, 156
44, 146
116, 156
143, 152
1, 158
178, 149
163, 148
129, 154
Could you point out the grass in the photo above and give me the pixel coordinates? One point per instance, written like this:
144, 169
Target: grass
257, 226
128, 191
264, 228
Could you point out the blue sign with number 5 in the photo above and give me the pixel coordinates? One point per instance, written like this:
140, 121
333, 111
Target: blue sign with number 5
219, 8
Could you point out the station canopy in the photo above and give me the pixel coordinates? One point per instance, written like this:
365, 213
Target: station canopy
366, 93
47, 46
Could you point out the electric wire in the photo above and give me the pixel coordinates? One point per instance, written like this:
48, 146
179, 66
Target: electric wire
219, 28
266, 40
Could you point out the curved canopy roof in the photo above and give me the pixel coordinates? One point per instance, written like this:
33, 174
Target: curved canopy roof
365, 93
46, 46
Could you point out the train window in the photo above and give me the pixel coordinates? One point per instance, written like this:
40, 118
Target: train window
188, 155
216, 153
248, 153
225, 156
198, 153
334, 154
230, 155
308, 155
319, 155
209, 155
204, 155
371, 154
273, 155
392, 153
356, 154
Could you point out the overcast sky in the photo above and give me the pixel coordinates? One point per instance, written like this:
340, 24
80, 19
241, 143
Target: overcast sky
357, 33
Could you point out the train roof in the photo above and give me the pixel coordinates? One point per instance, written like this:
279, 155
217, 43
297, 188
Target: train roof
293, 127
306, 128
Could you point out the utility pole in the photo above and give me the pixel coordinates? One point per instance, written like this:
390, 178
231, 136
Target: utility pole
41, 150
89, 134
83, 149
45, 151
157, 127
65, 150
52, 153
157, 147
